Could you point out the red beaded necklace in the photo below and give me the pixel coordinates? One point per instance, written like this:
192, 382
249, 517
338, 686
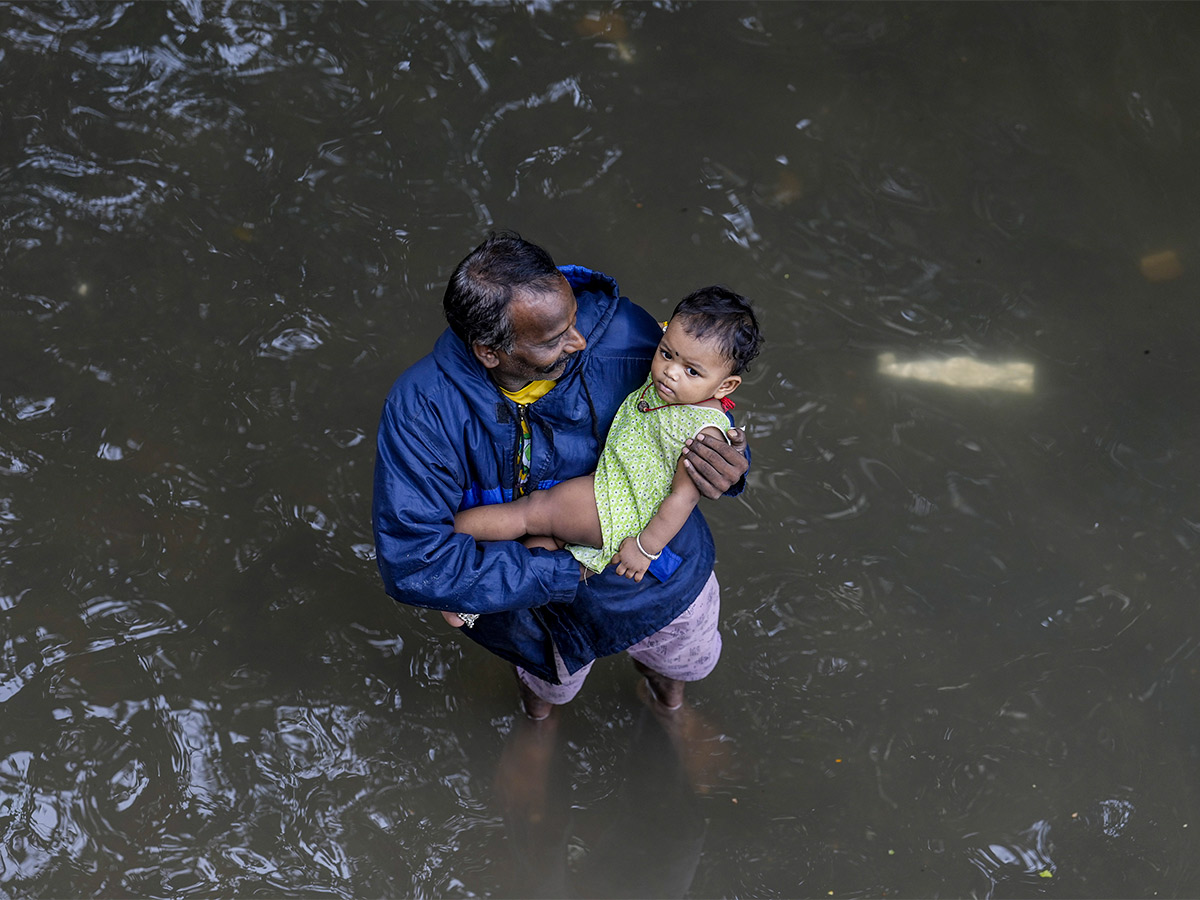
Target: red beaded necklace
643, 406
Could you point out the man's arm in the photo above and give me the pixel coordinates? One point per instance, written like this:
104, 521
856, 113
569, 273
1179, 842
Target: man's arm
422, 560
716, 467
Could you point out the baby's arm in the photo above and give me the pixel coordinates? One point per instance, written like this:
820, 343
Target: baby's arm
632, 561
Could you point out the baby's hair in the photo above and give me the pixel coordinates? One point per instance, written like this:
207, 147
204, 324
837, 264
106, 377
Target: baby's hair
718, 314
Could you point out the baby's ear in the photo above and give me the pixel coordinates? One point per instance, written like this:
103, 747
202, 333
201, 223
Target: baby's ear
727, 387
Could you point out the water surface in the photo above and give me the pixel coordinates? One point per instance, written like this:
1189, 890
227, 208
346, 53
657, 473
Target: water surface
960, 639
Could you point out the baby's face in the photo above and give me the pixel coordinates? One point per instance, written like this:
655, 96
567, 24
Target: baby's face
686, 369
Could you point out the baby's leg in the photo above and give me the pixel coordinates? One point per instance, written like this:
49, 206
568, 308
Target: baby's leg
495, 522
566, 511
540, 540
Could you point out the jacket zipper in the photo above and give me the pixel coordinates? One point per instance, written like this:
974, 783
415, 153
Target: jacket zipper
519, 486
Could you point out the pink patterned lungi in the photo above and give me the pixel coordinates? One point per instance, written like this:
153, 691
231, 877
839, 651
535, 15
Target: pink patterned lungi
687, 649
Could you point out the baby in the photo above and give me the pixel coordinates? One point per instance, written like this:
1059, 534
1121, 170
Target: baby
638, 498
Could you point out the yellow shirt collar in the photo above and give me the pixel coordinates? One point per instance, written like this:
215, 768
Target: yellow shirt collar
532, 392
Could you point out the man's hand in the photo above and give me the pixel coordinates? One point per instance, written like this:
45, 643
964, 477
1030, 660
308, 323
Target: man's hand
715, 466
452, 619
630, 561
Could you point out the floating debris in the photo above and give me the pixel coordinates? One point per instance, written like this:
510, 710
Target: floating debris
610, 26
787, 189
962, 372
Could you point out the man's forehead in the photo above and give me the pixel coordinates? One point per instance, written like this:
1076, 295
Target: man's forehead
536, 313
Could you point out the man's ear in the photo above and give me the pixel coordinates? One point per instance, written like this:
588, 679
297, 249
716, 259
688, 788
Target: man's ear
727, 387
486, 355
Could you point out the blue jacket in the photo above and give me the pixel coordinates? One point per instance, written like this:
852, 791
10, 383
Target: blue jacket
446, 442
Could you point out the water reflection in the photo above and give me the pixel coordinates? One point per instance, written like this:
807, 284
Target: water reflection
962, 372
652, 839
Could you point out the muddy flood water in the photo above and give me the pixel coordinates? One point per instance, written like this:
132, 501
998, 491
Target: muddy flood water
961, 639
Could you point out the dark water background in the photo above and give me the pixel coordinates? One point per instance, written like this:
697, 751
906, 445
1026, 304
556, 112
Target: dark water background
960, 624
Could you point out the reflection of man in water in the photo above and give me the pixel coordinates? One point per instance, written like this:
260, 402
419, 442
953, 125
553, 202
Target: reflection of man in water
656, 827
518, 395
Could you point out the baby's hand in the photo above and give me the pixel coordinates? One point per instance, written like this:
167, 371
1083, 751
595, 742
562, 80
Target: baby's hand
629, 560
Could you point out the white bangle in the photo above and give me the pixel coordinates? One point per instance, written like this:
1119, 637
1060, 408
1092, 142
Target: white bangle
650, 556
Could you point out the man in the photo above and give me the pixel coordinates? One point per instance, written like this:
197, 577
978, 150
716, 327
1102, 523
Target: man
517, 395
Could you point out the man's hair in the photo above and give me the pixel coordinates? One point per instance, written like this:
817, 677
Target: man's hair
718, 314
482, 286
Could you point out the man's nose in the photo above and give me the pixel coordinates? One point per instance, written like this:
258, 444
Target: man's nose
575, 340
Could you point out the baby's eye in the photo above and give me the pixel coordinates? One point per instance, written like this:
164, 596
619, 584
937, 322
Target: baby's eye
692, 372
664, 353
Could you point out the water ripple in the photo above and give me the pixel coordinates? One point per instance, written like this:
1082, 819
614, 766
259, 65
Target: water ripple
1024, 860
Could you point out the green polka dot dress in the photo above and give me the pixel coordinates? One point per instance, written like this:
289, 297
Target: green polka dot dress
635, 470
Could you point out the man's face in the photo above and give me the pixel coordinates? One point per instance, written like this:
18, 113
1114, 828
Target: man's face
544, 338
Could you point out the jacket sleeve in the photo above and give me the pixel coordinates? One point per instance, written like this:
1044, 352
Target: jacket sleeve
423, 561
